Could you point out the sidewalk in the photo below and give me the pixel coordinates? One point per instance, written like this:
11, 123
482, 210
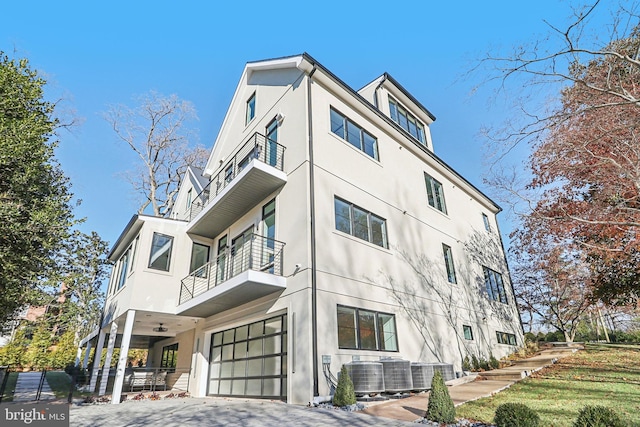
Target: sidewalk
27, 388
485, 384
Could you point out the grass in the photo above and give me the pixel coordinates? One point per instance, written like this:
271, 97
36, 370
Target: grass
59, 382
602, 374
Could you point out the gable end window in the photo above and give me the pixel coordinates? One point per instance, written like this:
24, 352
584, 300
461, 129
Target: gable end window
160, 252
251, 108
360, 223
494, 284
485, 220
407, 121
354, 134
435, 193
366, 330
468, 332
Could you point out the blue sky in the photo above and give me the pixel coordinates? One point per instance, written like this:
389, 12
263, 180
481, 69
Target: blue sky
96, 54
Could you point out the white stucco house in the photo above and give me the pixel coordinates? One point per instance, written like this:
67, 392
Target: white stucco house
324, 229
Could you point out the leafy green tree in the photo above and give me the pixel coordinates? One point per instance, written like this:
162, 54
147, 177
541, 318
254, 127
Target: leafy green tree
345, 394
38, 354
13, 353
440, 407
35, 211
65, 352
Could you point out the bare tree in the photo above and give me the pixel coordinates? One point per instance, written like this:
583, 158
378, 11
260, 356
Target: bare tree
154, 130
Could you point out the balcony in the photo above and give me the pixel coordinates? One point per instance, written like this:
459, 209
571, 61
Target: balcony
248, 270
254, 171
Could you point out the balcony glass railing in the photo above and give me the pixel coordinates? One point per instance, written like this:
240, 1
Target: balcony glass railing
258, 147
251, 252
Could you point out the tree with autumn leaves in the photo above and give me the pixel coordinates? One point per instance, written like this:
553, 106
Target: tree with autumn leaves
582, 191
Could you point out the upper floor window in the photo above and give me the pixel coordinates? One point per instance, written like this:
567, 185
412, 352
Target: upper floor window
199, 258
354, 134
435, 193
160, 252
366, 330
506, 338
407, 121
485, 220
124, 268
360, 223
495, 286
189, 198
251, 108
448, 262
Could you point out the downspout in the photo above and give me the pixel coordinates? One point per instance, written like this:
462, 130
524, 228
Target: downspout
375, 92
312, 207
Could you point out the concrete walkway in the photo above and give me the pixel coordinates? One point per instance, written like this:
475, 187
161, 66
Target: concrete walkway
461, 391
27, 388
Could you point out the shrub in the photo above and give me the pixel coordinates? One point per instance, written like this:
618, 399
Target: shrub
516, 415
493, 362
466, 364
440, 407
475, 363
345, 395
598, 416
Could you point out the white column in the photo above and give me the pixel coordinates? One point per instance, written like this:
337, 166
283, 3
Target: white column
78, 354
85, 362
113, 333
97, 355
122, 360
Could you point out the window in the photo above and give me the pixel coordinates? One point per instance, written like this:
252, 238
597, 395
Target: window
494, 285
199, 257
251, 108
354, 134
407, 121
435, 193
124, 268
506, 338
366, 330
269, 232
189, 199
160, 252
360, 223
468, 332
448, 262
485, 220
169, 356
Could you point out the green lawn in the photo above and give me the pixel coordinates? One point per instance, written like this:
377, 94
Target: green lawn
602, 374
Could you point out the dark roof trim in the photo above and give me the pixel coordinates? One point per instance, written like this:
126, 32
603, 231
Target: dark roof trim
132, 221
395, 125
387, 76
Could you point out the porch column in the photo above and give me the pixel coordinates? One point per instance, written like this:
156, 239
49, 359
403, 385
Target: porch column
76, 362
113, 333
97, 355
122, 360
85, 362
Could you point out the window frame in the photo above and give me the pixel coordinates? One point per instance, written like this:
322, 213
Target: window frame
435, 193
447, 252
378, 331
169, 357
485, 220
465, 329
362, 134
151, 252
250, 112
494, 285
420, 133
353, 224
506, 338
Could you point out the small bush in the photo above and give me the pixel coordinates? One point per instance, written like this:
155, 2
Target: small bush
466, 364
493, 362
598, 416
516, 415
345, 395
440, 407
475, 363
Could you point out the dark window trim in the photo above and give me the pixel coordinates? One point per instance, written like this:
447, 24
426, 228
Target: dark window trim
352, 206
506, 338
409, 115
357, 329
435, 193
499, 293
450, 266
247, 118
346, 120
168, 268
467, 328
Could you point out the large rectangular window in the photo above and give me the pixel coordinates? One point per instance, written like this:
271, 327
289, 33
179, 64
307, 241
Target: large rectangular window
448, 262
169, 356
160, 252
506, 338
354, 134
407, 121
435, 193
360, 223
366, 330
495, 286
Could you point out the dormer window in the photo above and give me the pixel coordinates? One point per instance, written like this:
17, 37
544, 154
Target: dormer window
407, 121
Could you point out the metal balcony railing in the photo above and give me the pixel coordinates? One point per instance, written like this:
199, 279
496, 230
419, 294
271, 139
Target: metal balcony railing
257, 147
252, 252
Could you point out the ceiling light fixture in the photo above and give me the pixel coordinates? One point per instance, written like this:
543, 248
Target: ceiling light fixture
160, 329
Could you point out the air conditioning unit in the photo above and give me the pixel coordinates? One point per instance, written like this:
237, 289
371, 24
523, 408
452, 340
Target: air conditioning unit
446, 369
421, 374
367, 377
397, 375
